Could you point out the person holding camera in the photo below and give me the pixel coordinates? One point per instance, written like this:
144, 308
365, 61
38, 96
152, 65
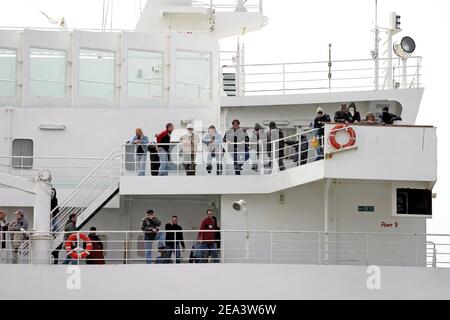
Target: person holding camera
150, 226
141, 142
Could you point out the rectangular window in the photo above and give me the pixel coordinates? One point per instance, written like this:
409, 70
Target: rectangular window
414, 202
193, 75
96, 74
8, 62
47, 73
145, 74
22, 154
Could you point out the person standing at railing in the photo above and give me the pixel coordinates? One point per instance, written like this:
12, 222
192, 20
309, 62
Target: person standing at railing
174, 240
3, 229
141, 142
189, 143
54, 220
236, 139
96, 255
154, 159
213, 141
371, 119
20, 227
69, 229
276, 145
356, 116
257, 143
163, 139
388, 118
301, 150
207, 238
343, 116
150, 226
319, 124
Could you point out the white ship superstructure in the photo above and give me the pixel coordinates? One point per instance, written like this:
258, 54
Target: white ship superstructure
70, 100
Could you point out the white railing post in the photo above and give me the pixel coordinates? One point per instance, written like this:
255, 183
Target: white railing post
320, 248
284, 78
261, 6
271, 247
126, 247
367, 249
274, 159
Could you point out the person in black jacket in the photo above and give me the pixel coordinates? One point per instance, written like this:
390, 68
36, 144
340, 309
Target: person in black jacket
388, 118
174, 240
55, 225
343, 115
301, 150
154, 159
356, 116
319, 124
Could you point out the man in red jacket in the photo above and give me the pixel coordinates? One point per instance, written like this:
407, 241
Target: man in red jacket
163, 140
207, 238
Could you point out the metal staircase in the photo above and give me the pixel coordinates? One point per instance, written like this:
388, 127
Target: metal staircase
90, 196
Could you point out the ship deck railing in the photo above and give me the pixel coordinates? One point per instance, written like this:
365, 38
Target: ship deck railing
321, 76
241, 246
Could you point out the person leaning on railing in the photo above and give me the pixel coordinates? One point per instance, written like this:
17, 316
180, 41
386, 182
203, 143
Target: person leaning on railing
163, 139
150, 226
207, 238
371, 119
3, 229
319, 124
236, 139
257, 140
189, 143
388, 118
213, 141
21, 224
141, 141
343, 115
69, 229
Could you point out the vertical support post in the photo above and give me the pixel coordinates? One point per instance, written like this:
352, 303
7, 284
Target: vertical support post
41, 241
126, 247
389, 73
261, 6
284, 78
376, 51
417, 253
326, 216
367, 249
320, 248
275, 167
271, 247
330, 64
238, 69
405, 73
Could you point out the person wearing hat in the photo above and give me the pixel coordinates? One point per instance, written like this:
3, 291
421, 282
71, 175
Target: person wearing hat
319, 125
189, 144
275, 139
343, 115
388, 118
257, 142
236, 139
20, 227
150, 226
213, 141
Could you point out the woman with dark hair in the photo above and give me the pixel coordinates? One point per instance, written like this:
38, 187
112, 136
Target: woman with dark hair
356, 116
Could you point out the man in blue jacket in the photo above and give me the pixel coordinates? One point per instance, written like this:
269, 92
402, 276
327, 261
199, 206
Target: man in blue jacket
141, 141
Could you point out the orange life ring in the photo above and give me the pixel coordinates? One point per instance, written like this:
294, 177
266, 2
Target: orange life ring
74, 253
349, 130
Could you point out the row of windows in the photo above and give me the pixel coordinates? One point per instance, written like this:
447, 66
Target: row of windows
96, 74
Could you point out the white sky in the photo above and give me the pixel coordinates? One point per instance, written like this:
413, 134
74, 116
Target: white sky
300, 30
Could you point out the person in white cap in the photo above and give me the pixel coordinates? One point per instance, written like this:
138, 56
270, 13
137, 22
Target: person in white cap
20, 227
189, 145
